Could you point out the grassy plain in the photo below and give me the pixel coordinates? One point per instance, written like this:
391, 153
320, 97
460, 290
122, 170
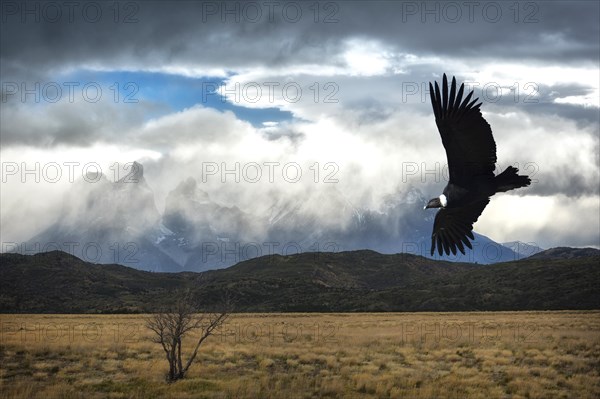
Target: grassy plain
302, 355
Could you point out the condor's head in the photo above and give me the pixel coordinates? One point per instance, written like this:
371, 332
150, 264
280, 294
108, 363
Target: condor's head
439, 202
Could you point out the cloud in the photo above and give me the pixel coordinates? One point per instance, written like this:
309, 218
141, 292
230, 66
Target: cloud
77, 123
353, 79
542, 31
546, 221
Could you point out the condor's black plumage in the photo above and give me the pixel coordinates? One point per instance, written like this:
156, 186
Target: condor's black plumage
471, 153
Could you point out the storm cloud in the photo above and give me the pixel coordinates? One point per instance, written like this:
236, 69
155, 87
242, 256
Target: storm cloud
341, 83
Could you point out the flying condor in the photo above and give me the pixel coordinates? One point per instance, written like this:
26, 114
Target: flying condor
471, 153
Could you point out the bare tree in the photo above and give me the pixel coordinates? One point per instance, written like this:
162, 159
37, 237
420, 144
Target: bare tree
172, 326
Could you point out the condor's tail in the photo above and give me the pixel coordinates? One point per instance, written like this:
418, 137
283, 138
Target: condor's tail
509, 179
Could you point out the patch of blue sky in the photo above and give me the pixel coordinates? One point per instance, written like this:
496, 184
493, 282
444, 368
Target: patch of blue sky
163, 93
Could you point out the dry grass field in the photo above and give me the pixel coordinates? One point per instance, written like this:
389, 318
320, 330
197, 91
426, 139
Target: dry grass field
395, 355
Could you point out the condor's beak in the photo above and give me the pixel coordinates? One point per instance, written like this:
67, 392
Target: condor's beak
433, 203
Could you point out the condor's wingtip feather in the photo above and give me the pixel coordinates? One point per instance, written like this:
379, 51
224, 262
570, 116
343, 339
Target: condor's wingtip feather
460, 246
467, 242
452, 93
459, 96
434, 105
473, 102
466, 100
445, 94
438, 97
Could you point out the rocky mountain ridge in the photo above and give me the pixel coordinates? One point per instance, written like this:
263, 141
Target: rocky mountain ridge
118, 222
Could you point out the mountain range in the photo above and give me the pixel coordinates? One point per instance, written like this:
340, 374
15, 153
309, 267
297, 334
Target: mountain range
57, 282
119, 222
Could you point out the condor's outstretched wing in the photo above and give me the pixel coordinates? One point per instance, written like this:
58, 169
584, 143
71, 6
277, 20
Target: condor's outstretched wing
467, 137
453, 227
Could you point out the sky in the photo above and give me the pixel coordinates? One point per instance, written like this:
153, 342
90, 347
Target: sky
259, 100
